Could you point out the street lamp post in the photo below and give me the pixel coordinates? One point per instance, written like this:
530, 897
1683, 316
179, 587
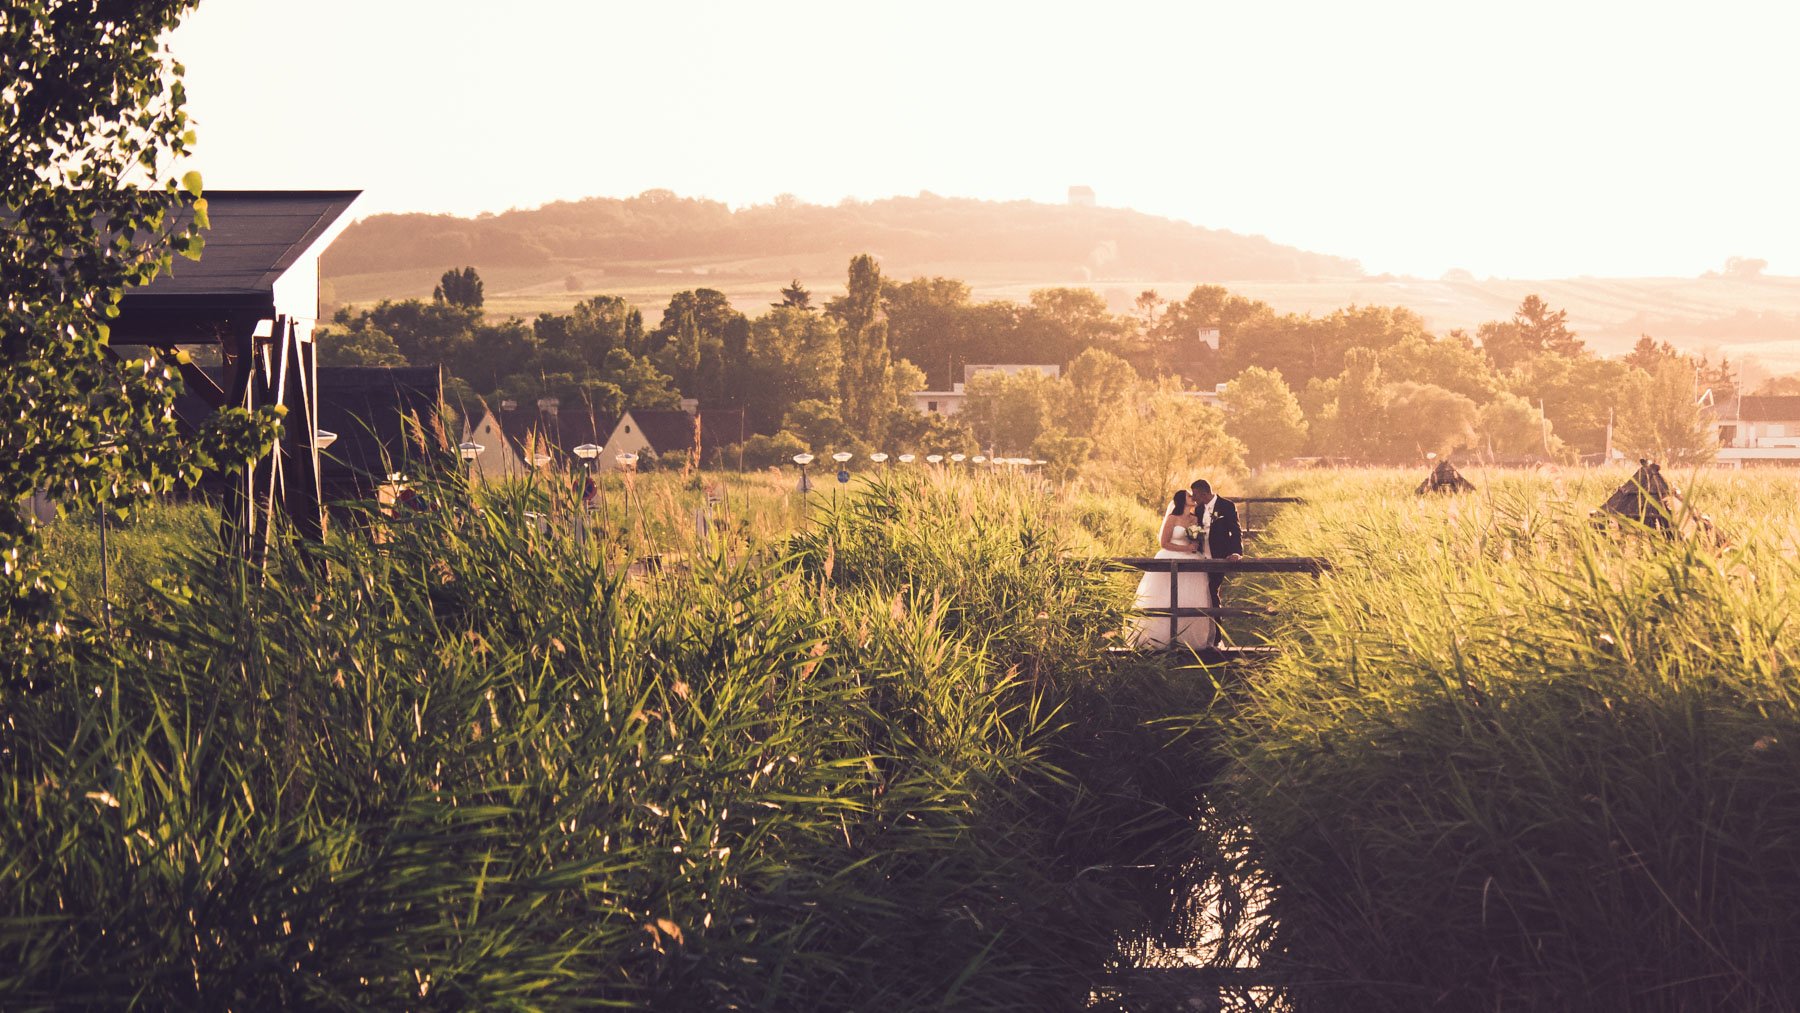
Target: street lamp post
803, 460
805, 487
587, 452
842, 458
469, 450
627, 462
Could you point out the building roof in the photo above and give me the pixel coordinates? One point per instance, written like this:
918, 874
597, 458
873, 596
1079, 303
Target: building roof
1769, 408
371, 409
561, 432
671, 431
255, 237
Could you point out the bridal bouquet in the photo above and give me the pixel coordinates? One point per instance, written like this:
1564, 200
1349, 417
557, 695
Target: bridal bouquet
1195, 533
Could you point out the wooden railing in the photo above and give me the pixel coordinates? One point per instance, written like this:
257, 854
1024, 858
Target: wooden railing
1249, 564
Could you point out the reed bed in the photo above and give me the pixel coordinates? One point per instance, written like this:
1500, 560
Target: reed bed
1514, 760
452, 758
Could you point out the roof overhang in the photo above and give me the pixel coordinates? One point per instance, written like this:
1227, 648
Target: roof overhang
260, 260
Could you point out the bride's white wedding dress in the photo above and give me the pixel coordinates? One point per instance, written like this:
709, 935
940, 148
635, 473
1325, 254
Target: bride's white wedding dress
1193, 592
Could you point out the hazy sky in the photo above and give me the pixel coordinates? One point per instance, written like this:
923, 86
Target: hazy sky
1525, 140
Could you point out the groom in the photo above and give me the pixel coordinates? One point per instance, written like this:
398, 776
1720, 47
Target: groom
1224, 539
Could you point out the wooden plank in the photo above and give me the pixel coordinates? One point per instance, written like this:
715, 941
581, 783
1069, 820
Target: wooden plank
1215, 655
1222, 612
1248, 564
1268, 499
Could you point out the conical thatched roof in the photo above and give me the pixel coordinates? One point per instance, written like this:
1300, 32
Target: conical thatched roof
1445, 478
1647, 498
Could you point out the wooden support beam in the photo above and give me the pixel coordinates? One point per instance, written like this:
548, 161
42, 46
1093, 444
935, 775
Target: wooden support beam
1249, 564
301, 492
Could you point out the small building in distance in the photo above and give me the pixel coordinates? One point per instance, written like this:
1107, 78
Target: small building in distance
1759, 429
500, 456
1214, 398
950, 402
670, 434
548, 428
1081, 196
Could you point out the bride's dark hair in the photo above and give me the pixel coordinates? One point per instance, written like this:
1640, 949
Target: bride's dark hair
1179, 504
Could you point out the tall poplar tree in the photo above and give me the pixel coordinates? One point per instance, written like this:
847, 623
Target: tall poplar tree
864, 382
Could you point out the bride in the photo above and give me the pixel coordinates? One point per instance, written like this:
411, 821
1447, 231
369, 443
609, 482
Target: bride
1193, 592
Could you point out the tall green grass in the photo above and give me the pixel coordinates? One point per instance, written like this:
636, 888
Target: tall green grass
1516, 761
141, 548
452, 760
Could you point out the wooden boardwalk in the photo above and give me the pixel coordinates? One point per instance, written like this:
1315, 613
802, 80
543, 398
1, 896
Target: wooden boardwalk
1206, 988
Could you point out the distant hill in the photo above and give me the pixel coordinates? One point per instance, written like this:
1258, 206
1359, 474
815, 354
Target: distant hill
574, 245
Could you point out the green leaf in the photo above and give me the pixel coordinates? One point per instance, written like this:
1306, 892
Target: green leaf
191, 182
201, 219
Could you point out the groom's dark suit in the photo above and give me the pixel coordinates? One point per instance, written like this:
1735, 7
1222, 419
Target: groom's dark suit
1225, 539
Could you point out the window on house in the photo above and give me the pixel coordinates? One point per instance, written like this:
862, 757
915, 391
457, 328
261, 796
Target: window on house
1777, 430
628, 429
931, 406
1727, 436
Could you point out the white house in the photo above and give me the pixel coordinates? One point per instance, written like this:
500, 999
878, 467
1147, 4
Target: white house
498, 457
671, 433
950, 402
1214, 398
1759, 429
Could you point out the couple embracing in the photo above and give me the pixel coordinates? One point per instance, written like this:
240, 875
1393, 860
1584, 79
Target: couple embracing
1198, 524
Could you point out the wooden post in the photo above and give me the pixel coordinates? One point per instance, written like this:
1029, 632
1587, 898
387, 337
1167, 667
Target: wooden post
1174, 600
301, 493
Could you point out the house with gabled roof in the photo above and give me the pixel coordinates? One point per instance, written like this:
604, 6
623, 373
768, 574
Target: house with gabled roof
552, 430
671, 434
500, 455
1759, 429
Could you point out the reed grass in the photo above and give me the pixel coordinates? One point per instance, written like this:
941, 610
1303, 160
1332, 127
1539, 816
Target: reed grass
452, 758
870, 750
1518, 761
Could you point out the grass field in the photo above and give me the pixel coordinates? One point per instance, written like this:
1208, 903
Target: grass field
878, 755
1515, 761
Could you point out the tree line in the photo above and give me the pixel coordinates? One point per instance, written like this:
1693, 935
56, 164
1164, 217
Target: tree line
1364, 384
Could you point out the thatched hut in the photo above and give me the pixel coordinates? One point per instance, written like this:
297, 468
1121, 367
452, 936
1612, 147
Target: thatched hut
1646, 498
1445, 478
